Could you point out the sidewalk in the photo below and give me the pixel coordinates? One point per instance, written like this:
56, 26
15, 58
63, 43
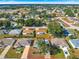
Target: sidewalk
47, 56
5, 52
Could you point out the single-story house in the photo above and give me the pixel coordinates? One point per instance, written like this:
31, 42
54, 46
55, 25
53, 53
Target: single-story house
4, 31
15, 32
22, 42
74, 43
28, 31
6, 41
41, 32
59, 42
38, 32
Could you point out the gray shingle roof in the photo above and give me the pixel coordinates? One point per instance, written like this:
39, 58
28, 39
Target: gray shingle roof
75, 42
15, 32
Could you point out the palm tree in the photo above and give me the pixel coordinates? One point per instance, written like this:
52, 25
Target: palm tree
54, 49
42, 46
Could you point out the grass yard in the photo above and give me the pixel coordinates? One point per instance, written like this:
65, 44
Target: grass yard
1, 50
64, 24
59, 55
76, 52
77, 24
12, 53
72, 31
67, 20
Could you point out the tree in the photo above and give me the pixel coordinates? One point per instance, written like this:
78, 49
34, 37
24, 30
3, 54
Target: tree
54, 49
38, 23
75, 11
33, 22
2, 14
43, 46
7, 23
69, 12
21, 21
1, 23
30, 22
55, 29
47, 47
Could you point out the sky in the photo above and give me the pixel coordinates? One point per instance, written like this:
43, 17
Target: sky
39, 1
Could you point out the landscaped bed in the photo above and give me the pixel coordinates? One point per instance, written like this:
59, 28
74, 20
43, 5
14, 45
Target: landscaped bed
13, 53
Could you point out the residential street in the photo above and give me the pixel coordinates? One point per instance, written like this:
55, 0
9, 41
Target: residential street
71, 26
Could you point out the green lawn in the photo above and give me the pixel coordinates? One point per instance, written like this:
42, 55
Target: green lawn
12, 53
1, 50
77, 24
67, 20
60, 55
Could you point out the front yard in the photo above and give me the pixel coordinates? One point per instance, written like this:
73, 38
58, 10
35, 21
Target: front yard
76, 52
13, 53
58, 55
67, 20
34, 54
1, 50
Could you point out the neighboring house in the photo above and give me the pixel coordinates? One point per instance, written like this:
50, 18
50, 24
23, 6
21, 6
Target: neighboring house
15, 32
6, 31
2, 32
28, 31
22, 42
41, 32
6, 41
38, 32
59, 42
74, 43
